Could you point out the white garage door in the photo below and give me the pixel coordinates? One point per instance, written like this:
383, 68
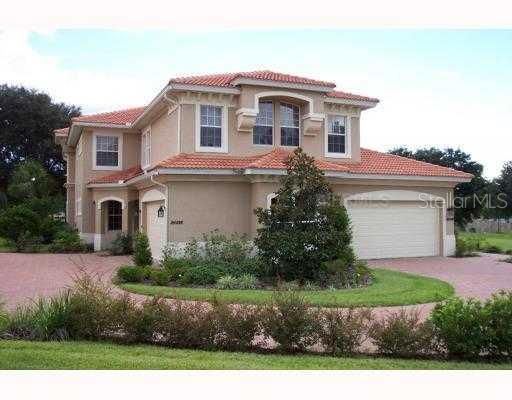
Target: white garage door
394, 229
155, 228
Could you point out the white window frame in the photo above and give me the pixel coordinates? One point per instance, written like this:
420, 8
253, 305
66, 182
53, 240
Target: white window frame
145, 147
286, 126
272, 126
119, 152
348, 136
224, 130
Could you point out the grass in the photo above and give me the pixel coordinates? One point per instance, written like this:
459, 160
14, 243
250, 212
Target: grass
501, 240
5, 246
87, 355
390, 288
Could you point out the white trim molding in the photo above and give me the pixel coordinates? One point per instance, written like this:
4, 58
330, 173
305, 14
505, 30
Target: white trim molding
145, 158
152, 195
270, 197
286, 85
348, 136
108, 198
119, 136
224, 130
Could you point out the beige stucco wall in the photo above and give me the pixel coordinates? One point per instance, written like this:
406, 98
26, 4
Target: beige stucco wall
164, 136
85, 172
205, 206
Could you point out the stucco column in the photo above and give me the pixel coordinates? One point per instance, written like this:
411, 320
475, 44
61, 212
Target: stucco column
125, 221
98, 227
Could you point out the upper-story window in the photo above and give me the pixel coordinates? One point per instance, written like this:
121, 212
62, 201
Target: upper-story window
107, 151
146, 149
263, 131
211, 132
338, 130
290, 131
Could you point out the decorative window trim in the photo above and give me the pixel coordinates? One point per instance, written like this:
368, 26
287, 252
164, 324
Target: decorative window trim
145, 145
285, 126
119, 152
224, 130
348, 136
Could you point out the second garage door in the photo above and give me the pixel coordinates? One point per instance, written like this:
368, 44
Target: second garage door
155, 228
394, 229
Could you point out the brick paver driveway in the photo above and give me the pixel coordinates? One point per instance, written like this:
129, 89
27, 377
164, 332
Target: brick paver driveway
26, 276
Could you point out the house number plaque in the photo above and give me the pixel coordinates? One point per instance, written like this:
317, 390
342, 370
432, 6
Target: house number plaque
176, 222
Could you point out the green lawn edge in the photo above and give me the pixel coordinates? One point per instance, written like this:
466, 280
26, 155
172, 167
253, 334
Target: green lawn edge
26, 355
390, 288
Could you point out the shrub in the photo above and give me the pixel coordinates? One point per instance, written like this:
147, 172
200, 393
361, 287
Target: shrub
306, 225
498, 310
459, 326
19, 223
159, 277
402, 334
176, 267
45, 319
493, 249
343, 331
94, 312
4, 319
131, 274
67, 242
141, 250
201, 275
466, 246
121, 245
290, 322
145, 324
243, 282
345, 273
237, 326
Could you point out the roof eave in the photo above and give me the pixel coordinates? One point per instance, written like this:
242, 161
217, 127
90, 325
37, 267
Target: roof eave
288, 85
365, 104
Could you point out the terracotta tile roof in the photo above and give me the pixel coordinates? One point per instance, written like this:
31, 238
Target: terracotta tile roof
372, 163
226, 80
122, 176
61, 131
120, 117
337, 94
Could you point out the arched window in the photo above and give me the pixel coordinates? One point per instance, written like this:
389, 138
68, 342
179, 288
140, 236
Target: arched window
114, 215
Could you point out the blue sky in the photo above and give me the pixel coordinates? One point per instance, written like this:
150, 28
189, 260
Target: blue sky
437, 88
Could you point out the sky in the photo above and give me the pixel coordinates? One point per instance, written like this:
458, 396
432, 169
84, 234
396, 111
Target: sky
441, 88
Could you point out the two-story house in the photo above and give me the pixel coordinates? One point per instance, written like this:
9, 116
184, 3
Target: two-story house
209, 149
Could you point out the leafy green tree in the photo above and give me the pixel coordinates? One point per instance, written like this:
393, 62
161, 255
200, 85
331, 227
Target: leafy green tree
18, 223
141, 251
305, 226
466, 194
27, 121
504, 189
30, 180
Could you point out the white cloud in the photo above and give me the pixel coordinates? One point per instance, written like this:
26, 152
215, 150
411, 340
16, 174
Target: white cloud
20, 64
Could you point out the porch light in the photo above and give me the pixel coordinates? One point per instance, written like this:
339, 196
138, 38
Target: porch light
161, 212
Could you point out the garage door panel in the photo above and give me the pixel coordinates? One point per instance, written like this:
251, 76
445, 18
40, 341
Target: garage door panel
155, 229
394, 229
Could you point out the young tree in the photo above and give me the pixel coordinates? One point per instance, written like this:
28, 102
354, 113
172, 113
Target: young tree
30, 180
305, 226
141, 251
27, 121
460, 161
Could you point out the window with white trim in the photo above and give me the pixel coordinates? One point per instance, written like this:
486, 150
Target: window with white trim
211, 126
114, 215
146, 149
263, 131
337, 135
107, 151
290, 125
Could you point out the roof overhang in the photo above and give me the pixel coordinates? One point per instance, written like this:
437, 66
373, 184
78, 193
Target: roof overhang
76, 129
350, 102
202, 88
278, 84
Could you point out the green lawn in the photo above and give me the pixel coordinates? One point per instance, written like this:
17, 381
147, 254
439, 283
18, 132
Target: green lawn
86, 355
390, 288
501, 240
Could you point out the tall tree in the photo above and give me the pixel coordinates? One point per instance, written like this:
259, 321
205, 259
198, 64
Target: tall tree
504, 186
468, 195
27, 121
